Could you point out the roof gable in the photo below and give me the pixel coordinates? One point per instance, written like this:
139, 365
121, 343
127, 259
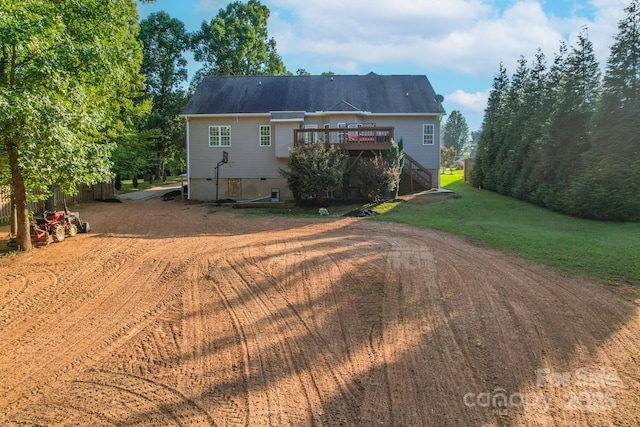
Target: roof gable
266, 94
343, 106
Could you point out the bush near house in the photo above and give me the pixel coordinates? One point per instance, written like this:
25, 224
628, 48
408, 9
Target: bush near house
314, 170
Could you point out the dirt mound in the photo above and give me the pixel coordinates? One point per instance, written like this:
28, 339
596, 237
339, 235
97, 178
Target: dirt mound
165, 315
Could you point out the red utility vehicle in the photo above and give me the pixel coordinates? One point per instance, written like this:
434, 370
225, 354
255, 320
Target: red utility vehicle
55, 226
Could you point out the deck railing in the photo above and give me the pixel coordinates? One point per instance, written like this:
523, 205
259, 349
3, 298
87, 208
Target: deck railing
418, 173
363, 138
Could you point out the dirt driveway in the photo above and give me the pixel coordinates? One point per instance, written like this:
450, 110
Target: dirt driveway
170, 315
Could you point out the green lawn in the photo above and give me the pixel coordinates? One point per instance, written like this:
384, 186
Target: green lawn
295, 211
127, 184
606, 250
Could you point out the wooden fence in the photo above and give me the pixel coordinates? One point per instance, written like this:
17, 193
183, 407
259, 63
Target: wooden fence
86, 193
5, 204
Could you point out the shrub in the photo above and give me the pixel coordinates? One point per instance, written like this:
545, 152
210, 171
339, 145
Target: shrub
378, 176
314, 170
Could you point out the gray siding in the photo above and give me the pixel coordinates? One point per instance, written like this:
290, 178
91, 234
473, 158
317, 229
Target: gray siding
409, 129
258, 166
250, 189
247, 159
283, 137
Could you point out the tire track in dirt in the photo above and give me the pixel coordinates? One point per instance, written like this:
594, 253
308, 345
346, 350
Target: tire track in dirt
409, 315
15, 284
494, 324
45, 297
212, 368
179, 317
308, 364
261, 359
173, 405
325, 358
99, 312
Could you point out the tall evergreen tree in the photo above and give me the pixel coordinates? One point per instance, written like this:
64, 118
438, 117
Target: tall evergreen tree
545, 147
492, 133
566, 137
608, 186
533, 118
513, 120
456, 131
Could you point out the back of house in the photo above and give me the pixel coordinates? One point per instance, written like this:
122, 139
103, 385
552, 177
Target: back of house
253, 122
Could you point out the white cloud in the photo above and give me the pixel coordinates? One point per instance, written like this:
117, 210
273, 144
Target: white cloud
465, 36
471, 102
604, 26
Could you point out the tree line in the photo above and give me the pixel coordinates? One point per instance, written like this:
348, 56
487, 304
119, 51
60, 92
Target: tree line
234, 42
567, 137
87, 92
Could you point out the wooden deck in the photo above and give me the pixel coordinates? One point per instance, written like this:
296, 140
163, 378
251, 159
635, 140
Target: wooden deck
363, 138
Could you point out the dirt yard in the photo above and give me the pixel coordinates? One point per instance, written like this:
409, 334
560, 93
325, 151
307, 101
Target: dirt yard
167, 314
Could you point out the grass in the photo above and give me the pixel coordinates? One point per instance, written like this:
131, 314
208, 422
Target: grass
297, 211
127, 184
605, 250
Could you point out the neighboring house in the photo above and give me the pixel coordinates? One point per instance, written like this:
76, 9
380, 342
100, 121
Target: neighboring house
257, 119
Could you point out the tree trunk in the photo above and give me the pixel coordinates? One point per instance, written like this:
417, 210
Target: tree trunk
160, 169
23, 235
14, 216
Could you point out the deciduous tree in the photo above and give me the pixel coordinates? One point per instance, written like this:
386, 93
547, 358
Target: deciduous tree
68, 72
236, 42
165, 41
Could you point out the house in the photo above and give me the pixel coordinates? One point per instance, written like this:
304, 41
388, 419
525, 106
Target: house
253, 121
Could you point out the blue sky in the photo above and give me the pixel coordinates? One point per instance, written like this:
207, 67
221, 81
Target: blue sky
457, 44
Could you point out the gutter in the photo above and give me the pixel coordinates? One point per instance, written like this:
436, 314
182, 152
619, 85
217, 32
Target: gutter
188, 159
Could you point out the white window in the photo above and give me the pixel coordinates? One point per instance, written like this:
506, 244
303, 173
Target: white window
219, 136
427, 135
265, 135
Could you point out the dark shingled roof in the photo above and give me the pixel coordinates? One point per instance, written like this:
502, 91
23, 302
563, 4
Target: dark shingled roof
264, 94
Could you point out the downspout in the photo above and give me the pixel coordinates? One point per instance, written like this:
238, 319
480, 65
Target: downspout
188, 159
439, 150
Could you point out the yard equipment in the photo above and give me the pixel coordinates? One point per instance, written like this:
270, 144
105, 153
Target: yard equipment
69, 221
55, 226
